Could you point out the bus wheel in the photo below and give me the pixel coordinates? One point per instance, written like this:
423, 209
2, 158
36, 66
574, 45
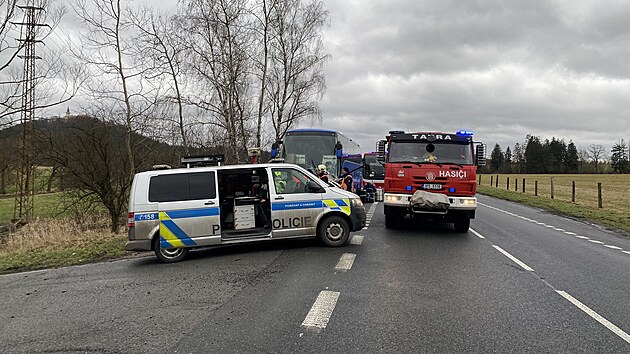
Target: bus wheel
333, 231
168, 255
462, 224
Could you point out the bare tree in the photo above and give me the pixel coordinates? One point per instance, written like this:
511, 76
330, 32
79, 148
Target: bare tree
57, 80
597, 153
219, 41
106, 46
296, 80
161, 49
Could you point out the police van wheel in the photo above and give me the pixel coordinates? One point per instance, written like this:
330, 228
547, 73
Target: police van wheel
168, 255
333, 231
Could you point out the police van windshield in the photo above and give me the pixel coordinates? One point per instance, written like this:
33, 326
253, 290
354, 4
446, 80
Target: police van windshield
438, 153
310, 150
376, 169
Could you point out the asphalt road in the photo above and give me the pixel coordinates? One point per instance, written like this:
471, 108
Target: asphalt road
521, 280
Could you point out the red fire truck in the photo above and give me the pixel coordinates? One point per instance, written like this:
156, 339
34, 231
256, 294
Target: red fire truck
432, 175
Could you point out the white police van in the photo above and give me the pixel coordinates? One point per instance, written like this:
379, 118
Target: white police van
174, 210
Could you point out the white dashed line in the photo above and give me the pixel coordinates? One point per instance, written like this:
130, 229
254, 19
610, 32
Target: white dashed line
345, 262
616, 330
319, 315
356, 240
570, 233
582, 237
365, 228
626, 252
595, 241
476, 233
514, 259
613, 247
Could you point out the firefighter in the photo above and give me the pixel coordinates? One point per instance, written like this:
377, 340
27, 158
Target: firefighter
346, 180
322, 173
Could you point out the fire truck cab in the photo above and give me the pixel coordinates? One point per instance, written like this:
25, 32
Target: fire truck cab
432, 175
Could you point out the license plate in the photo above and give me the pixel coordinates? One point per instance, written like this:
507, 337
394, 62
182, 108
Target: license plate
431, 186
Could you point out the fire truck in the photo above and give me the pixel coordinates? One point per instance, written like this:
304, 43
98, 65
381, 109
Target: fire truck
432, 175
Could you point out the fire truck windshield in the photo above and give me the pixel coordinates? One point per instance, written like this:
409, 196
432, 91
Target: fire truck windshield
376, 169
426, 152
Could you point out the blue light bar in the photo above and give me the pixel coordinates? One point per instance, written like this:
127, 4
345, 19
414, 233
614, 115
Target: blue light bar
451, 190
408, 188
465, 133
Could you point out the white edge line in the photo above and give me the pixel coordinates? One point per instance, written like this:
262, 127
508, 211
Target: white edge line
476, 233
626, 252
595, 241
613, 247
322, 309
616, 330
514, 259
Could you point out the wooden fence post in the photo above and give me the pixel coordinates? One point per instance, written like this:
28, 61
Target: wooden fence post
516, 184
507, 184
496, 182
536, 188
523, 185
551, 187
480, 179
573, 191
599, 195
491, 180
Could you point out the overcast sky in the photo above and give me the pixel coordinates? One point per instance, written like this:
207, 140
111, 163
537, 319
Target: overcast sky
502, 69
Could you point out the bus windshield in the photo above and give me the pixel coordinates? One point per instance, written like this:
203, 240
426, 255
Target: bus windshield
376, 169
437, 153
309, 150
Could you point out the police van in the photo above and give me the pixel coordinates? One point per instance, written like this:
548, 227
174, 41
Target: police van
174, 210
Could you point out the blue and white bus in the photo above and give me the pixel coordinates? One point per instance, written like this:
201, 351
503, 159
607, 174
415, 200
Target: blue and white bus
310, 147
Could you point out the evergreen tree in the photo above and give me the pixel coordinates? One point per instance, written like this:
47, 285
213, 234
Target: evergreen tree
517, 158
496, 158
572, 161
619, 157
507, 161
534, 155
555, 151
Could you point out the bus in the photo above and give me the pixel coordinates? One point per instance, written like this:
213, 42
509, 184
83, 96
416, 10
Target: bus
311, 147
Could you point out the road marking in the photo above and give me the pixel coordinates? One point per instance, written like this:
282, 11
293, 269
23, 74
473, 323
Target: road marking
595, 241
356, 240
570, 233
626, 252
616, 330
514, 259
345, 262
582, 237
365, 228
613, 247
319, 315
476, 233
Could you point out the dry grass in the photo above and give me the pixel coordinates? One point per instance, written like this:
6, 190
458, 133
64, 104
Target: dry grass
56, 234
615, 188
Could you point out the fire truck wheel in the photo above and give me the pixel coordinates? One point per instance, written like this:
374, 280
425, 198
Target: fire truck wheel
168, 255
333, 231
462, 224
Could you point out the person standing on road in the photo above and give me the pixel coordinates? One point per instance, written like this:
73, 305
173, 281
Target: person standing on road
346, 180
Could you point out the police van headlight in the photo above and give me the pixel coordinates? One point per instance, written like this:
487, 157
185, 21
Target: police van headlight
356, 202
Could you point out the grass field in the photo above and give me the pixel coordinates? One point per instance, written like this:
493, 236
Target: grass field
45, 206
615, 212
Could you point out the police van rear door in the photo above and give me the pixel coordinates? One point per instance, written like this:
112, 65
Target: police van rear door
294, 210
188, 207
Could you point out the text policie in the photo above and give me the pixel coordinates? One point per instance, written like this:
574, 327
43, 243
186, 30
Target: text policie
286, 223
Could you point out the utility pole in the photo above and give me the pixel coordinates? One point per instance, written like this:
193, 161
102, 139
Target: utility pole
25, 182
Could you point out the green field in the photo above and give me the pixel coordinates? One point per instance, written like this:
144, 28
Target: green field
615, 211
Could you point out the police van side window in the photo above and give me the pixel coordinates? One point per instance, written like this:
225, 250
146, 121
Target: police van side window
290, 181
183, 186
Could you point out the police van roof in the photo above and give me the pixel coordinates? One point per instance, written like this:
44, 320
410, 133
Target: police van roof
217, 168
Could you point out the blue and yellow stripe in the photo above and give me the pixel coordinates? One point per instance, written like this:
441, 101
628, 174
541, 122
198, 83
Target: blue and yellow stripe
172, 235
